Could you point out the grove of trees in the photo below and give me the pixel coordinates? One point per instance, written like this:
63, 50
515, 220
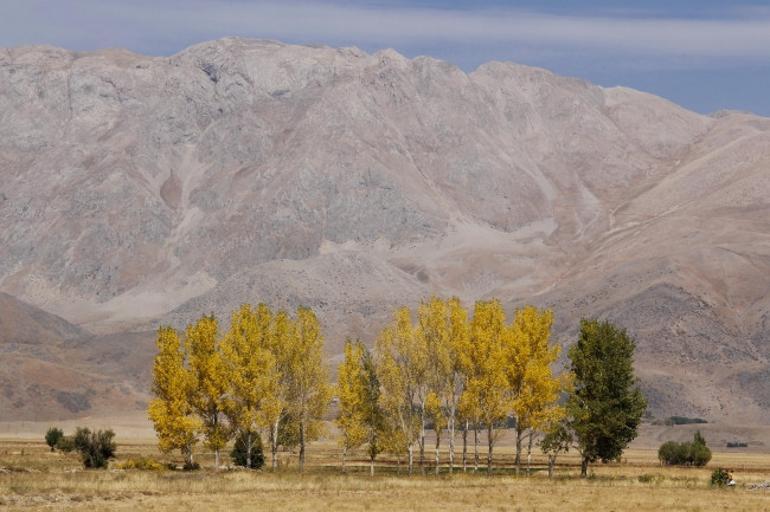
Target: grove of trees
264, 374
463, 374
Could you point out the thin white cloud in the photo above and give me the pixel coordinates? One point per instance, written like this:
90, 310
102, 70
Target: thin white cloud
136, 24
321, 21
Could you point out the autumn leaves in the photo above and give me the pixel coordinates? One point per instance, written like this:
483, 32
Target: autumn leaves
437, 368
442, 368
265, 374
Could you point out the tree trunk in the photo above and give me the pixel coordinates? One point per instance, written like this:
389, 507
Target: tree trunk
489, 447
422, 439
584, 467
411, 458
274, 444
344, 456
438, 442
465, 446
451, 442
301, 446
517, 459
529, 452
216, 459
371, 465
188, 455
475, 447
551, 464
248, 450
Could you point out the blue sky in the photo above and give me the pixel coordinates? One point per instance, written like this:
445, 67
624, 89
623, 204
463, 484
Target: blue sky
706, 55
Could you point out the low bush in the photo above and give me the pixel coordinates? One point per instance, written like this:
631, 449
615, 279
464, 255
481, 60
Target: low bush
683, 420
737, 444
694, 453
191, 466
142, 464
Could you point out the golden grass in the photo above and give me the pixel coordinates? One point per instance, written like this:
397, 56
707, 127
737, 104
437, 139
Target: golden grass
39, 480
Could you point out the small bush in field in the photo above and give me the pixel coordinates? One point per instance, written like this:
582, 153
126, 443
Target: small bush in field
96, 448
53, 436
721, 477
694, 453
142, 464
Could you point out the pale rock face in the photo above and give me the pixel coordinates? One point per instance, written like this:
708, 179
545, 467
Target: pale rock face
136, 189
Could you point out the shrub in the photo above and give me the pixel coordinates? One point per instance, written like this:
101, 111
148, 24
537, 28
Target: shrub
142, 464
721, 477
240, 449
191, 466
683, 420
737, 444
66, 444
53, 436
96, 448
694, 453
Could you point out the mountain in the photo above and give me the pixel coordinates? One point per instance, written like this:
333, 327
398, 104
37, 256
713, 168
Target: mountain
137, 190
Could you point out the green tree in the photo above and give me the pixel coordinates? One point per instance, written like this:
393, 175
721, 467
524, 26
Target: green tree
606, 405
53, 436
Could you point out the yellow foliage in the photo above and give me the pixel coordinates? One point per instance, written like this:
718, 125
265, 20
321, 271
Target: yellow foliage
171, 413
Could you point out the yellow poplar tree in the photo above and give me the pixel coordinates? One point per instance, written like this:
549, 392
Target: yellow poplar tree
281, 341
487, 383
396, 364
309, 390
251, 373
210, 381
535, 389
351, 394
171, 412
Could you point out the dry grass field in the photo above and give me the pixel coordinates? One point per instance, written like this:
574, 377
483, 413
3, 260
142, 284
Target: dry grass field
32, 478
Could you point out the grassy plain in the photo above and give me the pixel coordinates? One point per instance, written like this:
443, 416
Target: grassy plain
32, 478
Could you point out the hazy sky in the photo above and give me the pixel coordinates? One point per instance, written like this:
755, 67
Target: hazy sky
704, 54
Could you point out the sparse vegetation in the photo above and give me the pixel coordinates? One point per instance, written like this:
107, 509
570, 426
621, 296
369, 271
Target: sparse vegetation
38, 480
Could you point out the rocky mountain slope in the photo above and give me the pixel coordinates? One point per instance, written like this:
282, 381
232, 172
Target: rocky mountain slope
135, 190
